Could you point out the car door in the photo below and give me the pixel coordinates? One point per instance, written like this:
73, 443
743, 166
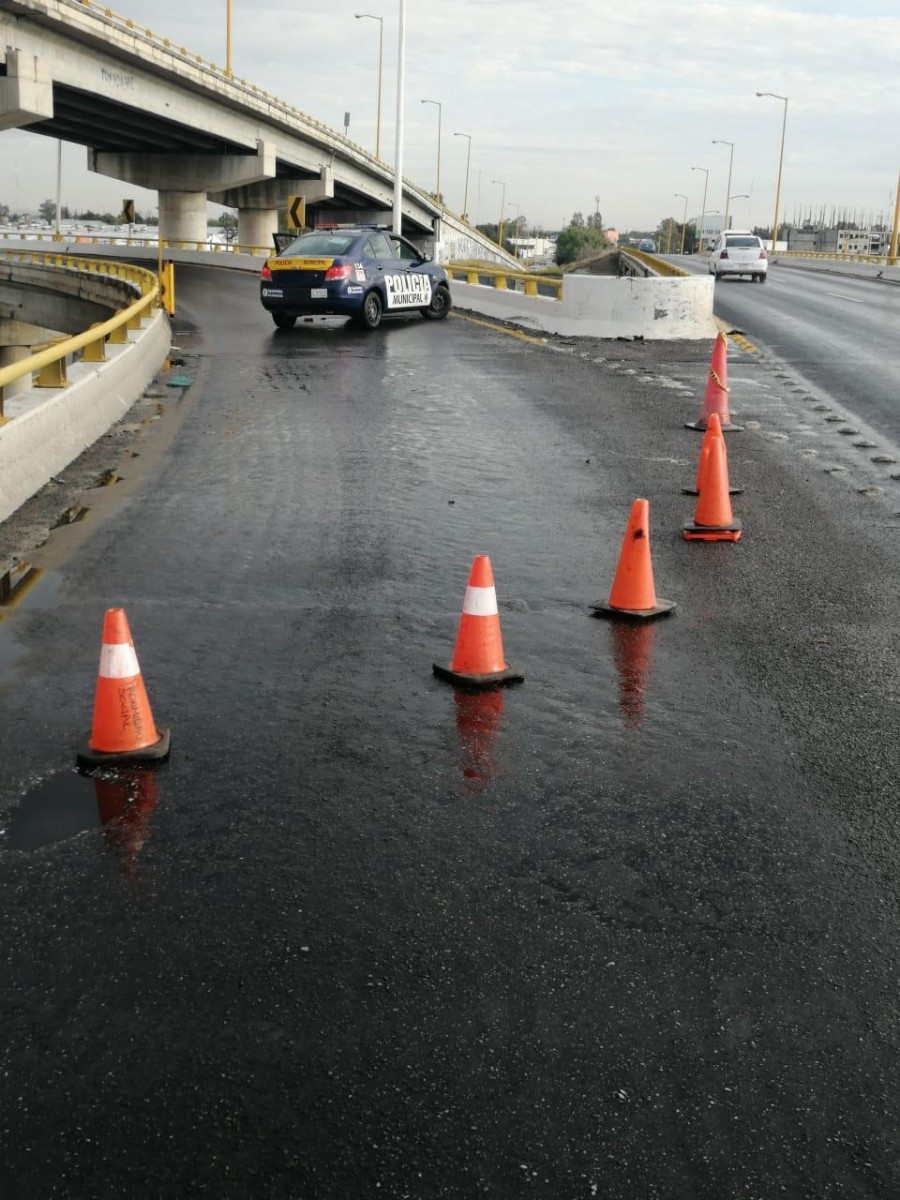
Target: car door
413, 283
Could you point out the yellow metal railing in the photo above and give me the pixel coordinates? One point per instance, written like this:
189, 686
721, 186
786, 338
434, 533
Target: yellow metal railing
834, 255
48, 364
133, 240
501, 277
659, 265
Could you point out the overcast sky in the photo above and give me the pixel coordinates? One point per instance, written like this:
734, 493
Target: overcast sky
575, 105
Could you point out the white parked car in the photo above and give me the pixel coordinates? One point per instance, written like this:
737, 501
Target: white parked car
739, 252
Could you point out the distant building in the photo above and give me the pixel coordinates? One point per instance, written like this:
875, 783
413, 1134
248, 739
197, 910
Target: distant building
533, 247
838, 241
612, 236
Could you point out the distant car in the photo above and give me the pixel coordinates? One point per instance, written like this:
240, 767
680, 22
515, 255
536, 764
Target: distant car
739, 252
362, 272
646, 245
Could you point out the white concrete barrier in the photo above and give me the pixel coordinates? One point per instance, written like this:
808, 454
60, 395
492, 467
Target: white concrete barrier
49, 429
660, 309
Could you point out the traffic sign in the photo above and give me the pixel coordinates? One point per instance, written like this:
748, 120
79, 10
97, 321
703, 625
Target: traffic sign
128, 211
296, 211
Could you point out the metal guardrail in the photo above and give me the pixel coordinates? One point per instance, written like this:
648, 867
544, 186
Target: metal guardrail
49, 363
659, 266
500, 277
837, 256
131, 239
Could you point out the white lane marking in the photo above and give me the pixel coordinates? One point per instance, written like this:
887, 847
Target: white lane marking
849, 299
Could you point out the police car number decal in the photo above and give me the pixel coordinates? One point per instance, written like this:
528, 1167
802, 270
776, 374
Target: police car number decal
407, 291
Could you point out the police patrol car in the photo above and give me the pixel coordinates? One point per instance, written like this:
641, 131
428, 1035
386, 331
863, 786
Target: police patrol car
363, 272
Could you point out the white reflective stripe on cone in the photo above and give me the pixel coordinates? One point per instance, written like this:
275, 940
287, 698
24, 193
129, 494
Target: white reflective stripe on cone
480, 602
118, 661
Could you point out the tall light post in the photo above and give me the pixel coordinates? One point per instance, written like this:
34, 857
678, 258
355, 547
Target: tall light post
228, 38
682, 196
739, 196
895, 230
57, 236
703, 213
501, 183
398, 152
380, 20
468, 137
437, 190
722, 142
784, 100
517, 207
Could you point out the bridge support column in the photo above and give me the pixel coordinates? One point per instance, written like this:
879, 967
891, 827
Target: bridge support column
256, 226
258, 204
8, 356
182, 216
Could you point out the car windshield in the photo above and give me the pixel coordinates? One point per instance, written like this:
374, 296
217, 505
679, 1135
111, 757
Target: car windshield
742, 241
318, 244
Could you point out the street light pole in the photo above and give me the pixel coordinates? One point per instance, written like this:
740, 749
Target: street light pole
517, 207
784, 100
228, 38
895, 231
502, 210
398, 152
740, 196
682, 196
703, 213
722, 142
380, 20
465, 211
437, 193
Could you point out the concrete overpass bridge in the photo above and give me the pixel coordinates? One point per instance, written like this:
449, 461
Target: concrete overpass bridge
155, 115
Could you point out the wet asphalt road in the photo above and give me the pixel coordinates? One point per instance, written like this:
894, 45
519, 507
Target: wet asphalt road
838, 330
627, 930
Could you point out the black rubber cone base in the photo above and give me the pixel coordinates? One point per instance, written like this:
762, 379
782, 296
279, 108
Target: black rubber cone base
696, 491
693, 532
88, 757
701, 428
494, 680
662, 608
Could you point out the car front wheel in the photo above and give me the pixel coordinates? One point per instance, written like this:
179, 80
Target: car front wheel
284, 320
439, 306
370, 313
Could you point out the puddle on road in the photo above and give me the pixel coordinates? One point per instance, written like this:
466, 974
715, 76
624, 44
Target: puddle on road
69, 803
21, 581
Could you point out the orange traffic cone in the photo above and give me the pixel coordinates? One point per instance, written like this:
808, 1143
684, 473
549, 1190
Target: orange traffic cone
715, 399
478, 658
713, 429
633, 594
713, 519
123, 730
